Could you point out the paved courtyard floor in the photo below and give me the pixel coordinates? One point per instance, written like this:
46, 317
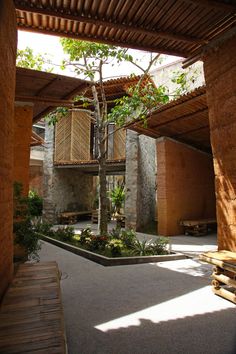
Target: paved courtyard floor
162, 308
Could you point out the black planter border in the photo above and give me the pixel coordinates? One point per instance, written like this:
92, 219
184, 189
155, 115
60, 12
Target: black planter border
108, 262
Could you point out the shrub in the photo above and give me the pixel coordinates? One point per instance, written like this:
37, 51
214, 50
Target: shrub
65, 233
95, 243
35, 204
159, 246
115, 233
115, 246
85, 235
141, 248
128, 237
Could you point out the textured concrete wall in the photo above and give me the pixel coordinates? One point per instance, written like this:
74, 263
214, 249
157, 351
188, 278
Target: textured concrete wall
185, 185
22, 138
146, 182
7, 93
220, 74
140, 179
63, 189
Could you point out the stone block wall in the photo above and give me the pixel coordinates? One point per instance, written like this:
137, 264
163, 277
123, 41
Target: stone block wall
8, 40
63, 189
36, 179
220, 75
140, 179
185, 185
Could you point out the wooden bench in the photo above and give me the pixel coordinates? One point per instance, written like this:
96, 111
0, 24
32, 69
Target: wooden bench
31, 315
224, 273
72, 216
198, 227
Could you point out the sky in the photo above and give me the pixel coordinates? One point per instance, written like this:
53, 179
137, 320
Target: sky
50, 45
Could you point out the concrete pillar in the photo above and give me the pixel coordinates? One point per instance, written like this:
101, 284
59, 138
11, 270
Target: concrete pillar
8, 39
22, 139
131, 180
220, 75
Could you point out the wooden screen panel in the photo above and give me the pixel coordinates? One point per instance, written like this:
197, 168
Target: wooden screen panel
119, 144
80, 136
63, 139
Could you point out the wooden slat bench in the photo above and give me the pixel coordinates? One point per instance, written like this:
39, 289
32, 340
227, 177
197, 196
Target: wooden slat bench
197, 227
31, 315
72, 216
224, 273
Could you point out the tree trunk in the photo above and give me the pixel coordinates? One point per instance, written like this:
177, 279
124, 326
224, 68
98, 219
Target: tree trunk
102, 215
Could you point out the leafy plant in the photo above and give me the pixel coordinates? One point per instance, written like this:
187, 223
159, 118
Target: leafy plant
115, 246
24, 232
159, 246
128, 237
65, 233
141, 248
26, 58
85, 234
115, 233
35, 204
117, 196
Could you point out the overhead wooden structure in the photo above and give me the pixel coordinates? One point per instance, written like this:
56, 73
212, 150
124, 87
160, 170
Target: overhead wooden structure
174, 27
185, 119
46, 90
36, 140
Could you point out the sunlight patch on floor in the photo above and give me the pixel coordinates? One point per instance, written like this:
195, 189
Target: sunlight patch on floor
197, 302
187, 266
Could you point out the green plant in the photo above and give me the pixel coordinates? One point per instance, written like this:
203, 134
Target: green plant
141, 248
117, 196
64, 233
95, 243
35, 204
24, 232
159, 246
128, 237
85, 234
115, 246
115, 233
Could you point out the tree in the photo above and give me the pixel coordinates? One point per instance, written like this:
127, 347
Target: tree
88, 60
26, 58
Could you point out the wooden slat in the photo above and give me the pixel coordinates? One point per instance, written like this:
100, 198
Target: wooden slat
31, 316
63, 139
119, 144
80, 136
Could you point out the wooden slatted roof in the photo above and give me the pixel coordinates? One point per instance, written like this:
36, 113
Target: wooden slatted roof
184, 119
175, 27
46, 90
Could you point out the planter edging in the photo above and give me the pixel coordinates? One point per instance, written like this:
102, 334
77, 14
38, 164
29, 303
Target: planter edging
108, 262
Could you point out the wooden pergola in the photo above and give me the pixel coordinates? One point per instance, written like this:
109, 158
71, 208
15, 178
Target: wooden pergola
184, 119
182, 28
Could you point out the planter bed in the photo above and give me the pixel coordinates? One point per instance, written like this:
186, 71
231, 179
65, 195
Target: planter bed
116, 261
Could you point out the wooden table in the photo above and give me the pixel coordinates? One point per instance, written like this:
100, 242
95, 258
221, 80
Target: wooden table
31, 315
224, 273
197, 227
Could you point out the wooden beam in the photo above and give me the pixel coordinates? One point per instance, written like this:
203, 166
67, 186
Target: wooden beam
191, 131
67, 15
216, 5
188, 115
83, 37
46, 100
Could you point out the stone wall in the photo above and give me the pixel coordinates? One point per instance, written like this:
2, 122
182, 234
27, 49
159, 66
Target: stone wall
64, 189
220, 74
140, 178
36, 179
185, 185
8, 40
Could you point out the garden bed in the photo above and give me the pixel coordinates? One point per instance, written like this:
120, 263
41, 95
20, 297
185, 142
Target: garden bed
115, 261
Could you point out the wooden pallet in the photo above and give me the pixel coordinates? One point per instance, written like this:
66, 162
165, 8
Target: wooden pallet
224, 273
31, 315
198, 227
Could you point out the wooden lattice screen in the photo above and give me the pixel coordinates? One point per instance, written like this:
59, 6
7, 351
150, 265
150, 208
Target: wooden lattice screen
72, 137
119, 144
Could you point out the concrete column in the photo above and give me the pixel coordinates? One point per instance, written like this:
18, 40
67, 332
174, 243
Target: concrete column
8, 40
220, 75
131, 179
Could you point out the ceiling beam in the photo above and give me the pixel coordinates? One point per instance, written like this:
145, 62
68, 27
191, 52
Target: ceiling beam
83, 37
216, 5
65, 14
47, 100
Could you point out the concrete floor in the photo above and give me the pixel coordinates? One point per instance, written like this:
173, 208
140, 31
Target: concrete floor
153, 308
